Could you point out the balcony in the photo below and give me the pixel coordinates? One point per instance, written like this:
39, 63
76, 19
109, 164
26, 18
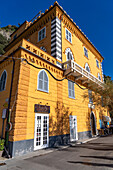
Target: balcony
72, 68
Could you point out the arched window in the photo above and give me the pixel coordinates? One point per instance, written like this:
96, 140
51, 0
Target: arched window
43, 81
43, 48
99, 77
3, 80
69, 54
87, 67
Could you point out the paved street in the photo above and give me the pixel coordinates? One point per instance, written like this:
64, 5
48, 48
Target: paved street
96, 154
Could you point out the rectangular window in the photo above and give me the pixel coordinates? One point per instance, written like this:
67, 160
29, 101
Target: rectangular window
97, 63
68, 36
71, 90
85, 52
41, 34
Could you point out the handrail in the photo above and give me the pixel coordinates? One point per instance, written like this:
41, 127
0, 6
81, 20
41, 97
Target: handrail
76, 67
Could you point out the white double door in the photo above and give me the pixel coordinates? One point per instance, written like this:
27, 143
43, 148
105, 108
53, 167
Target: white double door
73, 128
41, 135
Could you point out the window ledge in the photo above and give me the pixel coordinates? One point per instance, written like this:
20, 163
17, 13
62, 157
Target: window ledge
2, 90
98, 67
41, 39
71, 97
42, 91
86, 57
68, 41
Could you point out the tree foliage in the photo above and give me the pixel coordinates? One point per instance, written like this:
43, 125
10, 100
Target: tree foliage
102, 95
11, 28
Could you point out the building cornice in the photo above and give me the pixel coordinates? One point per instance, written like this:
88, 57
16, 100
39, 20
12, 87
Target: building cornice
32, 29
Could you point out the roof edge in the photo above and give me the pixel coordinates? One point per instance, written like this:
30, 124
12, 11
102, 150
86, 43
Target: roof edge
57, 4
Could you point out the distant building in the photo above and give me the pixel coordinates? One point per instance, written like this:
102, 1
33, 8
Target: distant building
47, 64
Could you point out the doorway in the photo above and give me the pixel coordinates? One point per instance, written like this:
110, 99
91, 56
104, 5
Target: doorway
73, 128
93, 124
41, 135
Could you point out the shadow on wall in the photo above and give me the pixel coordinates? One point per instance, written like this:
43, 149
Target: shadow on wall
101, 113
59, 125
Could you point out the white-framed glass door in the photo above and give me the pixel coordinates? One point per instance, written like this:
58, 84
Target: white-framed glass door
73, 128
41, 134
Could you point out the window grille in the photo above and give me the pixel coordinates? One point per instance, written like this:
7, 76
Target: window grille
42, 34
68, 36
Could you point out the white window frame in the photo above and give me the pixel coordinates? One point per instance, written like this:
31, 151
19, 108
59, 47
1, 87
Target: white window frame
85, 52
5, 80
47, 91
68, 50
97, 63
73, 128
67, 37
87, 65
43, 48
99, 77
41, 146
41, 34
72, 89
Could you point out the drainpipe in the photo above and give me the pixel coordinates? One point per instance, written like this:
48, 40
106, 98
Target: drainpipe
9, 113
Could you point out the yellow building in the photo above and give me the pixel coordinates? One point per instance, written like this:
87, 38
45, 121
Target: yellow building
44, 72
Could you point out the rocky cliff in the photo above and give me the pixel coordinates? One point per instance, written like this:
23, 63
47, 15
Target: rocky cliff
5, 33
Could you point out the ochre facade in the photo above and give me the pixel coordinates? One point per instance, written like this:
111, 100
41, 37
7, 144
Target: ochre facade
25, 93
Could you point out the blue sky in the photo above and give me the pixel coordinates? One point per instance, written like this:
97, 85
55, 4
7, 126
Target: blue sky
95, 19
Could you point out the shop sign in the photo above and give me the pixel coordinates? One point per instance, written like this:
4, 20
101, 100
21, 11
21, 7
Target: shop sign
42, 108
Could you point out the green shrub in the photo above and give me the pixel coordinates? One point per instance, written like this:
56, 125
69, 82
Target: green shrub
7, 29
10, 28
2, 144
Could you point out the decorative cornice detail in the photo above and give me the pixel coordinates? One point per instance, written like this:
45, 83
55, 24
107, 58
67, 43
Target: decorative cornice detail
42, 64
55, 10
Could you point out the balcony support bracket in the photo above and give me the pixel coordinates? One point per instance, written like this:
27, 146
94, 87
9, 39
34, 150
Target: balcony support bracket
85, 81
78, 77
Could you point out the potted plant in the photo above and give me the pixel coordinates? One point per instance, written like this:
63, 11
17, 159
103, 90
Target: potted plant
1, 146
